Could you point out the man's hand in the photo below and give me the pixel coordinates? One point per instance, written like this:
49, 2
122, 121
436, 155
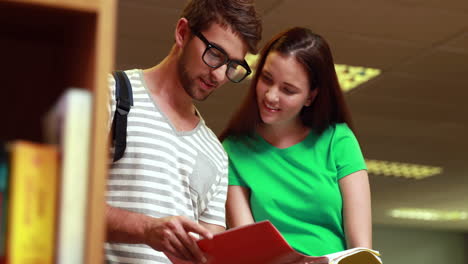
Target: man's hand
171, 235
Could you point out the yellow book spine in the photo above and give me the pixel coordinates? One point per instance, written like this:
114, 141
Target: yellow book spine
32, 211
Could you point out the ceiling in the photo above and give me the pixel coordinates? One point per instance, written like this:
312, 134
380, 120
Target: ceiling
416, 111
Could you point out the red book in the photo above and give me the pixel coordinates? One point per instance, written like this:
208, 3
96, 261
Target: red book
262, 243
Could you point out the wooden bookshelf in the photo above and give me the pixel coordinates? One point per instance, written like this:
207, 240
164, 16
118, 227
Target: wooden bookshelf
47, 46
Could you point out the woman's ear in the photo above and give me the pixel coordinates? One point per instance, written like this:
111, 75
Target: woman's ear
311, 98
182, 32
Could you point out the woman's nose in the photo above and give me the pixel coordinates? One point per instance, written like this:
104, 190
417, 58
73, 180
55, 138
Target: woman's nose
272, 95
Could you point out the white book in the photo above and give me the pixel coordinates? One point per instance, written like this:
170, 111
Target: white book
68, 124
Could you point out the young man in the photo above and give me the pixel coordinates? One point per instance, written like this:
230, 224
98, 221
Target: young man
172, 179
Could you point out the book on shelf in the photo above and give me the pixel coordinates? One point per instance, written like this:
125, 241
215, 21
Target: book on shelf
262, 243
3, 200
68, 125
33, 176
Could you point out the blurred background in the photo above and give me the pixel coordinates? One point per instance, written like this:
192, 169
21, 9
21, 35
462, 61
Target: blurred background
407, 90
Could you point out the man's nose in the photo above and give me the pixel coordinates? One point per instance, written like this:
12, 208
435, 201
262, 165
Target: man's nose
220, 74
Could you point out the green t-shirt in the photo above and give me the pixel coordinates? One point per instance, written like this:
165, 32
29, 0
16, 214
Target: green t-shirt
297, 188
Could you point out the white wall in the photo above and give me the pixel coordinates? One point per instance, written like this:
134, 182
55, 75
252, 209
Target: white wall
413, 246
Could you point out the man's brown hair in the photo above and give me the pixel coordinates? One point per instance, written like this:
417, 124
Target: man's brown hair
240, 15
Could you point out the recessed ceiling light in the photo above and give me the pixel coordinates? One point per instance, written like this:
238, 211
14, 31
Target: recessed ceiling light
252, 60
428, 214
349, 77
399, 169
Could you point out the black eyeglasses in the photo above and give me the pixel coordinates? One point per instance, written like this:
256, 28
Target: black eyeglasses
216, 57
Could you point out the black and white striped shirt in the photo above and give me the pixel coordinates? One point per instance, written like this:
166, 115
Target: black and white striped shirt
164, 172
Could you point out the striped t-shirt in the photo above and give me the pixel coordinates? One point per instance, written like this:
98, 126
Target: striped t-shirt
164, 172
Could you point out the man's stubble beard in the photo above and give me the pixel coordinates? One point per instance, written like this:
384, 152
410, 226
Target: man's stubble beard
188, 83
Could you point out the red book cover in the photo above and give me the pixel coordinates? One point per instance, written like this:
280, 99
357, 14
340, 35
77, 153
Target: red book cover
257, 243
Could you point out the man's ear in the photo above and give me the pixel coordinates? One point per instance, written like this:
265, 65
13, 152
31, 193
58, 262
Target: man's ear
182, 32
311, 98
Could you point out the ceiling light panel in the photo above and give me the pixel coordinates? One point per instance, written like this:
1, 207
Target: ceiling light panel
350, 77
399, 169
428, 214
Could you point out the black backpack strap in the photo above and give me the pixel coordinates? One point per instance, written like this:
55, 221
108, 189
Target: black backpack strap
124, 101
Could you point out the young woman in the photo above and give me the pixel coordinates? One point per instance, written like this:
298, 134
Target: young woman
294, 159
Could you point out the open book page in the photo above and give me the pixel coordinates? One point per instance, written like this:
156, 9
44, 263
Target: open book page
355, 256
262, 243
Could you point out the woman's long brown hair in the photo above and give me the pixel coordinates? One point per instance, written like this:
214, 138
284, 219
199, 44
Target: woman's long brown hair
313, 53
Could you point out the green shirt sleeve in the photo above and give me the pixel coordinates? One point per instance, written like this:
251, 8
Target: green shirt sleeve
346, 151
234, 177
